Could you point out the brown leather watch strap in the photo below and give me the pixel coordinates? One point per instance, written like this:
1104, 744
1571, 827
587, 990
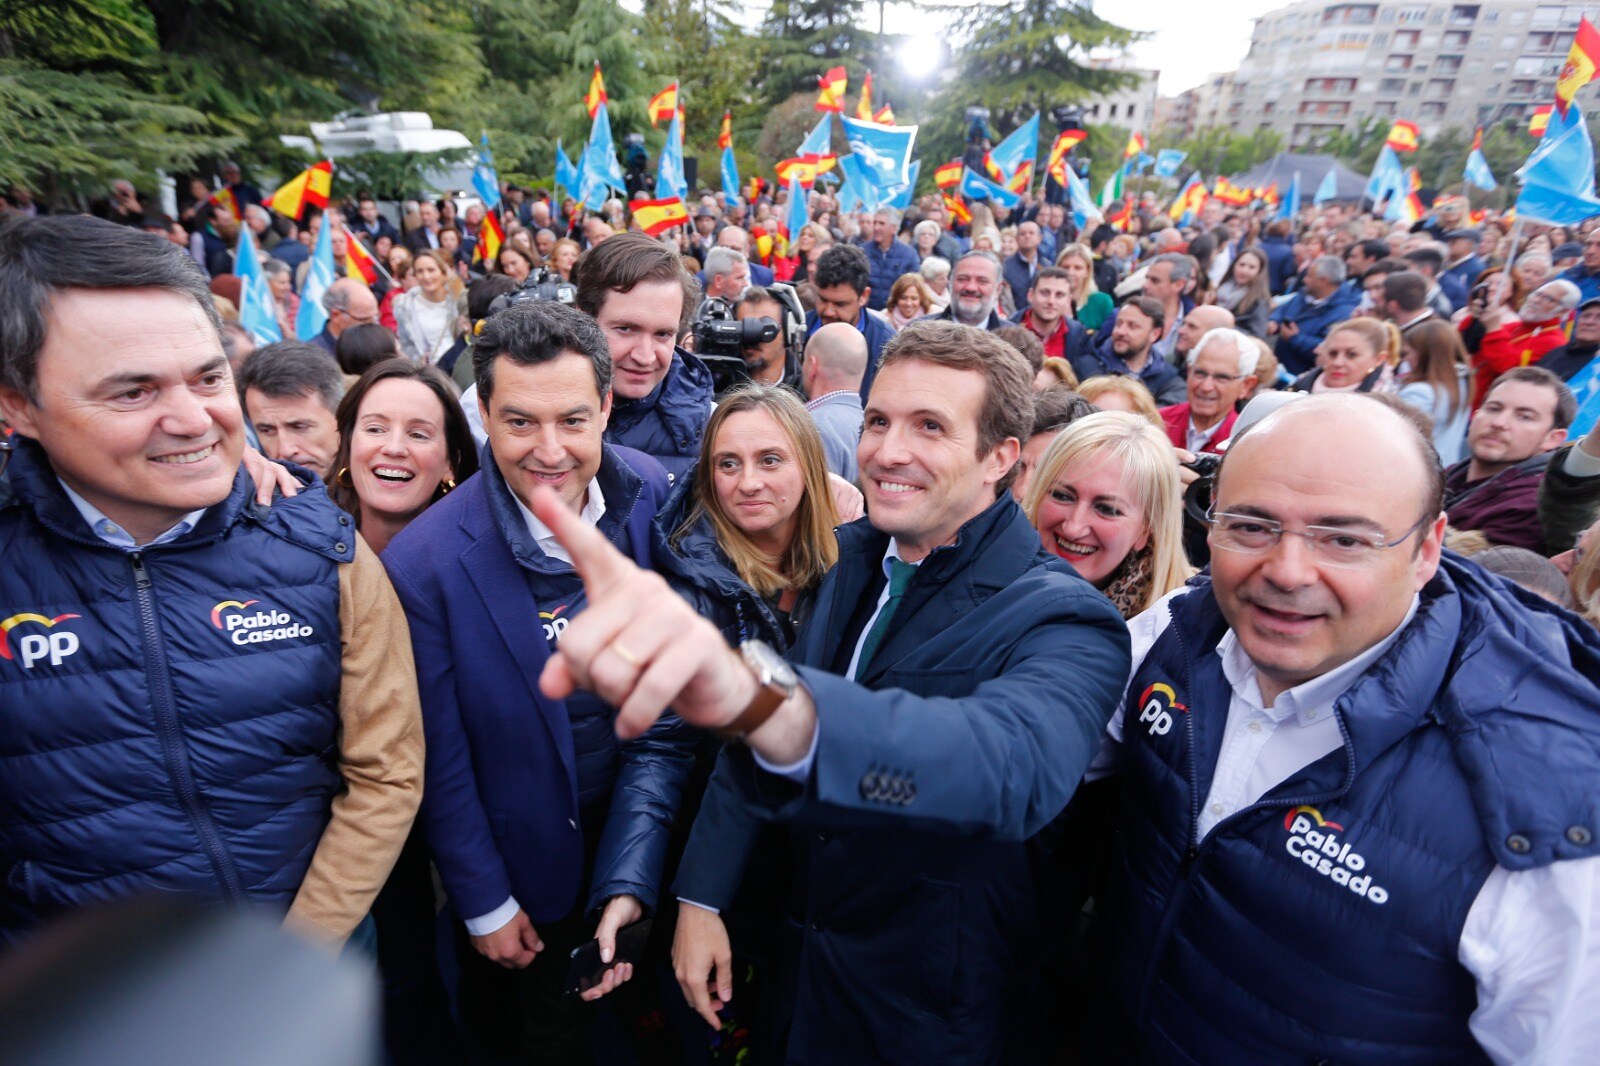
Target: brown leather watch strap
767, 700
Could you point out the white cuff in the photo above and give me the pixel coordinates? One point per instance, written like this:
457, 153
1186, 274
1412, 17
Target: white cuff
702, 906
797, 772
1579, 463
495, 920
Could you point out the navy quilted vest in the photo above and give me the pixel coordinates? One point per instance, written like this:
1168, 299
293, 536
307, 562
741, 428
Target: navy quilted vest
168, 717
667, 424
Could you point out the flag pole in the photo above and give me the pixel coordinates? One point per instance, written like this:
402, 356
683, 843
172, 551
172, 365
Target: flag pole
350, 236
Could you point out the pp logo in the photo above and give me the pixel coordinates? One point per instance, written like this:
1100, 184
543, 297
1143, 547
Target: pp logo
33, 648
1156, 705
554, 626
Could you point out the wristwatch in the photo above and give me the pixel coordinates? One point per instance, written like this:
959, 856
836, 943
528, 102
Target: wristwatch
776, 680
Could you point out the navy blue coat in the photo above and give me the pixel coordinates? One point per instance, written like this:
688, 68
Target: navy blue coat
500, 801
1472, 742
1298, 354
168, 717
1015, 273
914, 913
887, 266
1157, 375
1280, 262
667, 424
1457, 281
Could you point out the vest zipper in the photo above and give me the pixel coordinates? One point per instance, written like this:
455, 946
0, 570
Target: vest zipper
171, 735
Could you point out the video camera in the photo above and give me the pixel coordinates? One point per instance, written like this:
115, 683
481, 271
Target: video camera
1197, 500
721, 337
542, 283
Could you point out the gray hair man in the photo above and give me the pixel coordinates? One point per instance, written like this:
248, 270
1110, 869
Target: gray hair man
835, 362
727, 274
1222, 372
975, 291
1301, 324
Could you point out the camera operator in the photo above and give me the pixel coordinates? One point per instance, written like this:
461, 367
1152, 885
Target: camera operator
774, 361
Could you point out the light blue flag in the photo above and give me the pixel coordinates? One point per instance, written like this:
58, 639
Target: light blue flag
1585, 386
1084, 209
975, 186
1478, 173
1566, 142
1387, 175
861, 183
901, 201
1329, 189
600, 167
798, 215
1558, 179
1395, 211
884, 151
1141, 161
849, 199
567, 173
730, 175
319, 275
820, 140
484, 179
1289, 207
1019, 148
1168, 160
257, 314
669, 168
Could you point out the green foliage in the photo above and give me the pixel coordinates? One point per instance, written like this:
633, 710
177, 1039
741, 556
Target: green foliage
1214, 150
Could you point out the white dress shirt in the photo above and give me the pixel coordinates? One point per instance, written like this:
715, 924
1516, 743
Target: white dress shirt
1532, 937
1197, 439
484, 924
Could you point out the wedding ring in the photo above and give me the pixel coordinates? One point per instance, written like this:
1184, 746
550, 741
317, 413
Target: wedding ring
624, 654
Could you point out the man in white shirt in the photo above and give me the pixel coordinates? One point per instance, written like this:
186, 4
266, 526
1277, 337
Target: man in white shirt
1357, 780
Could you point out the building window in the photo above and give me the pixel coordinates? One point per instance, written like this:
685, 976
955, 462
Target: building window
1457, 39
1414, 89
1433, 109
1385, 108
1447, 64
1398, 63
1441, 86
1406, 38
1463, 14
1392, 86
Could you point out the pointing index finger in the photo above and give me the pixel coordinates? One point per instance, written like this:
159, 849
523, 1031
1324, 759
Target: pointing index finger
597, 562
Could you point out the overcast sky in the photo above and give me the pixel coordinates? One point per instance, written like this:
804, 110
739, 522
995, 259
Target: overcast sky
1189, 40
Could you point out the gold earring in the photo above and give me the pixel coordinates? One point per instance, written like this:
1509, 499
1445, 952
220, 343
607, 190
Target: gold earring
447, 485
343, 477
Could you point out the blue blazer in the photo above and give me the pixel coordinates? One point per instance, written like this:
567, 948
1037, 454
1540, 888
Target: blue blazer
500, 799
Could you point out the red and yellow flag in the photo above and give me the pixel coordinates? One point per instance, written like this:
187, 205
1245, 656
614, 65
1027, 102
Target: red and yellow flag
491, 236
763, 243
225, 199
864, 105
657, 216
830, 95
1579, 69
1136, 144
884, 116
757, 183
358, 262
311, 186
663, 105
958, 209
1056, 164
1022, 178
725, 135
1269, 195
1539, 121
1231, 194
806, 168
597, 91
1189, 201
1119, 218
1477, 140
948, 176
1402, 136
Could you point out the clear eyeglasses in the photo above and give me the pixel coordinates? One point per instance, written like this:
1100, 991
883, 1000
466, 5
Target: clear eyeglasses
1334, 545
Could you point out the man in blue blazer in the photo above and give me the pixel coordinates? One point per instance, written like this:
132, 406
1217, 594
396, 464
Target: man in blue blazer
948, 693
538, 817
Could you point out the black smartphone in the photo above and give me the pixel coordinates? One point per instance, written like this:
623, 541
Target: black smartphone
586, 970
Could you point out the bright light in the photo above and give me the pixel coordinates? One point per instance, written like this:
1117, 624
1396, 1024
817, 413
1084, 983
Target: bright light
921, 56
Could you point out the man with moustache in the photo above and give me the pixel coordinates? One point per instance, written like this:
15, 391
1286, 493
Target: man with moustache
975, 292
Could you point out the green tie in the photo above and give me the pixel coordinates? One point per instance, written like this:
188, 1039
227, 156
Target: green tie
899, 577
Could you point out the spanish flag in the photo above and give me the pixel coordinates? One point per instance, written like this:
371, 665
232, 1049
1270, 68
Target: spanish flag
1190, 199
1136, 144
358, 262
958, 209
948, 176
1065, 142
1269, 195
805, 168
830, 95
1579, 68
1231, 194
884, 116
725, 136
864, 105
311, 186
657, 216
597, 91
1120, 217
225, 199
1539, 121
757, 184
491, 236
663, 105
1402, 136
763, 243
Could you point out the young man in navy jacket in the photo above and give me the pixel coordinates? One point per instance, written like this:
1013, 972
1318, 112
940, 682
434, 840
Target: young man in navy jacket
546, 829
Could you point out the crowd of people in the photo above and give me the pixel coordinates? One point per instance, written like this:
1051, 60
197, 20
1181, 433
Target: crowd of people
1169, 643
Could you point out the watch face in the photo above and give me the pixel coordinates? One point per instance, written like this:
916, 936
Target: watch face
769, 664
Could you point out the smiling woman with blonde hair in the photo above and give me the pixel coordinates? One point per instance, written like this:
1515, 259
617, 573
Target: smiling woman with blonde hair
1106, 498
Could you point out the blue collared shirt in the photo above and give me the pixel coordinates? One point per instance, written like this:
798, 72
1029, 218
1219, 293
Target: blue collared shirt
115, 535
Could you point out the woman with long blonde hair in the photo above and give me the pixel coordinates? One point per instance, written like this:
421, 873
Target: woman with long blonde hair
1106, 497
1090, 306
749, 532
